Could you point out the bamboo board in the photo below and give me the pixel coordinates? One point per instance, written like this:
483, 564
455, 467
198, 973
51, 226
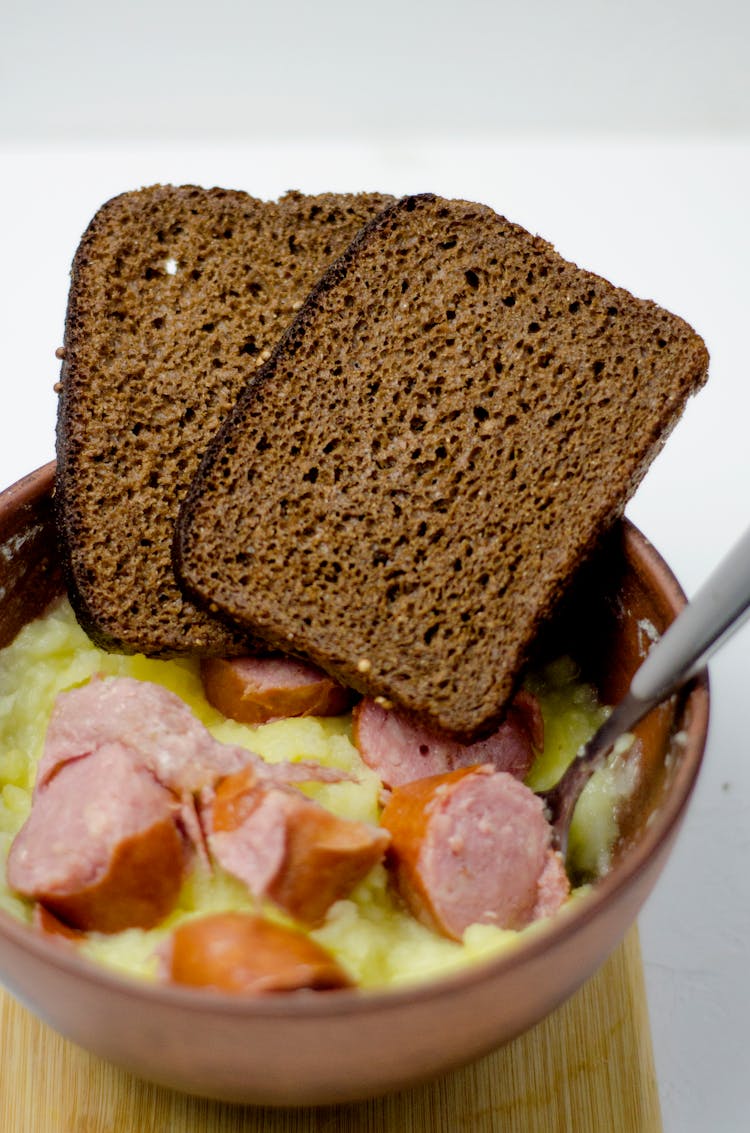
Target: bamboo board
587, 1068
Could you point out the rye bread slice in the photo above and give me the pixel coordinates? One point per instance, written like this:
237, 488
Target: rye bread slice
405, 489
177, 295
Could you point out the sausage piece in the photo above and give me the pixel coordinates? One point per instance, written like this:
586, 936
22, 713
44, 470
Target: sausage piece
254, 690
287, 848
400, 749
247, 955
472, 846
101, 849
158, 727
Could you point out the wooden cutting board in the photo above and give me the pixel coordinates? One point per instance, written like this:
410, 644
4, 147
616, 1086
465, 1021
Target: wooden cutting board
586, 1069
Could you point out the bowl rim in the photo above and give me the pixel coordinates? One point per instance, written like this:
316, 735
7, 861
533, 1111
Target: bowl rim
556, 930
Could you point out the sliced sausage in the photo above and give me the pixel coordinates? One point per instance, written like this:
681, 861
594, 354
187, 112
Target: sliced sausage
153, 722
287, 848
471, 846
400, 749
247, 955
254, 690
101, 849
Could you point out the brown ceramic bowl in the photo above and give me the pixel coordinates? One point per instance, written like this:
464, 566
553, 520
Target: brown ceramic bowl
338, 1046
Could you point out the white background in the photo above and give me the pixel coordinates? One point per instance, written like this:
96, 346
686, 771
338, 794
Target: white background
619, 131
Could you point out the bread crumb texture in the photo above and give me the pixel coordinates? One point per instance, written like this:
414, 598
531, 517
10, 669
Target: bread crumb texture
176, 296
437, 443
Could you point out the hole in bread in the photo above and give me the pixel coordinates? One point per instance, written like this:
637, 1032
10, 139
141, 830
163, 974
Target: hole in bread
249, 347
598, 368
447, 244
574, 307
480, 413
509, 300
430, 633
534, 327
311, 475
450, 316
472, 279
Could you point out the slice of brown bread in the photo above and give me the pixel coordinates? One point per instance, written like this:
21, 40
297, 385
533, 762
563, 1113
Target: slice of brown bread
405, 489
177, 295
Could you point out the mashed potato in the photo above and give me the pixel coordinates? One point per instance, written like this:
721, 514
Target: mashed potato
373, 938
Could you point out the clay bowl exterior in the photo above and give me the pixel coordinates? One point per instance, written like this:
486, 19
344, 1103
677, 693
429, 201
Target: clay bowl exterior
329, 1047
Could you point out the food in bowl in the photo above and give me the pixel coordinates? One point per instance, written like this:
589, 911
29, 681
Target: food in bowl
113, 699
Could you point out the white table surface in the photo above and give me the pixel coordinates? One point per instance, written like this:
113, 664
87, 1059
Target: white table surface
669, 220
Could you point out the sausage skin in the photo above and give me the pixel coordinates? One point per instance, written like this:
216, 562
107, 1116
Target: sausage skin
47, 923
248, 955
254, 690
472, 846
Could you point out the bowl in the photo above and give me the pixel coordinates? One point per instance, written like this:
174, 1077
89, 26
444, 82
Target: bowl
330, 1047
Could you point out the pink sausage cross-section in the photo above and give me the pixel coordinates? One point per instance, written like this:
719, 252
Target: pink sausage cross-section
473, 847
400, 749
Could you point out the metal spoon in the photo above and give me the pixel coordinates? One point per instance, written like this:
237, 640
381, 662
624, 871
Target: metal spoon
718, 609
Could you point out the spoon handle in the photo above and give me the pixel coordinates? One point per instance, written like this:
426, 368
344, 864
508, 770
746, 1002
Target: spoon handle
716, 611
